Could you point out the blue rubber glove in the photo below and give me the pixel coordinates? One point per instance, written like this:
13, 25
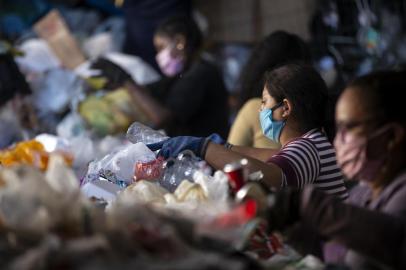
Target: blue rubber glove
173, 146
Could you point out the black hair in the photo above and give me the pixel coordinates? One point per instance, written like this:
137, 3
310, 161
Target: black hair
182, 25
305, 89
383, 95
274, 50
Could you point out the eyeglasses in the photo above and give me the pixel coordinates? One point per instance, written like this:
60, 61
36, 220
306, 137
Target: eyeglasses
350, 125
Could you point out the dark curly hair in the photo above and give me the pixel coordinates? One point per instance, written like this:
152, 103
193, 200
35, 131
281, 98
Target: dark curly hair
276, 49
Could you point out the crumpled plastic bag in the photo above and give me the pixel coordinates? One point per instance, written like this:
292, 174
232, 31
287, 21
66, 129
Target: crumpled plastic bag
34, 202
143, 192
72, 125
85, 150
216, 187
111, 113
205, 198
81, 148
61, 178
120, 165
27, 202
140, 71
54, 91
52, 143
101, 189
38, 57
30, 153
188, 191
133, 66
107, 37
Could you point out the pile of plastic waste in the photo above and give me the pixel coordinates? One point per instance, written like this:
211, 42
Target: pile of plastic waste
47, 223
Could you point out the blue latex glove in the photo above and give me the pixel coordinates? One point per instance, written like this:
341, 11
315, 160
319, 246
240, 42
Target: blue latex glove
173, 146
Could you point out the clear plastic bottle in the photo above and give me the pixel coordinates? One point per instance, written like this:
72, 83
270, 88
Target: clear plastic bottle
138, 132
178, 169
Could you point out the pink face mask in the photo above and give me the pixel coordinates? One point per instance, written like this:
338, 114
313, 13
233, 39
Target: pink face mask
169, 65
352, 157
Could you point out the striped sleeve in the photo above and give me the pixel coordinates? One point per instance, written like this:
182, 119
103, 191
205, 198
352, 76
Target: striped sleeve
299, 162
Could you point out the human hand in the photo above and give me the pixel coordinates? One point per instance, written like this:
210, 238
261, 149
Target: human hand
173, 146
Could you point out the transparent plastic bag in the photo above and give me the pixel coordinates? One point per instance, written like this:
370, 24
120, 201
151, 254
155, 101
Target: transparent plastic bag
138, 132
120, 165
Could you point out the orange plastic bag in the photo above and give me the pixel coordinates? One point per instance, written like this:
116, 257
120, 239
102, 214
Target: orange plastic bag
30, 153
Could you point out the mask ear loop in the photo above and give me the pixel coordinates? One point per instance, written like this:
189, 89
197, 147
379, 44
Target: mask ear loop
276, 106
379, 131
387, 159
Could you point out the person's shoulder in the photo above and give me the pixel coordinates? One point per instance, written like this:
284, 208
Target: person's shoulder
395, 192
303, 147
315, 134
300, 143
252, 104
251, 107
300, 147
319, 139
359, 195
204, 65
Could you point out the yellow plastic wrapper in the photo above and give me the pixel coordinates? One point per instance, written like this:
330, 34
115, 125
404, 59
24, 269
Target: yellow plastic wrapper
112, 113
30, 153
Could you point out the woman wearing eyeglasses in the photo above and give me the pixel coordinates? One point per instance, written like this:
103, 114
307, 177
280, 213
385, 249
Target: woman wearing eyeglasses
369, 230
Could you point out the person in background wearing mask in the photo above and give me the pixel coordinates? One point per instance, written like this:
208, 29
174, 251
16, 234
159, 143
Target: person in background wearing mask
142, 17
292, 113
274, 50
369, 231
191, 98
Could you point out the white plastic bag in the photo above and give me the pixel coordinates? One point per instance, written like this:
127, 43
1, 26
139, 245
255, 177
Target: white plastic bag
216, 187
38, 57
140, 71
71, 126
54, 92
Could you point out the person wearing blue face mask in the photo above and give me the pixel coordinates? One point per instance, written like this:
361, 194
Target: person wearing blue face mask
271, 128
292, 112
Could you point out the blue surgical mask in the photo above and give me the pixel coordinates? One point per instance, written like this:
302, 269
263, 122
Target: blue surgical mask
271, 128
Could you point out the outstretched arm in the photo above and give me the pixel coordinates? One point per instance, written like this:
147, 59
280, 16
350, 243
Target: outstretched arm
218, 156
212, 149
262, 154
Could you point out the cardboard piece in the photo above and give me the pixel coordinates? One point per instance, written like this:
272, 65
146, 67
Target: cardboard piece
53, 29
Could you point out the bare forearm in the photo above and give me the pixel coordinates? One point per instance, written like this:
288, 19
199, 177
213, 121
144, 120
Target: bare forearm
154, 111
262, 154
218, 156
